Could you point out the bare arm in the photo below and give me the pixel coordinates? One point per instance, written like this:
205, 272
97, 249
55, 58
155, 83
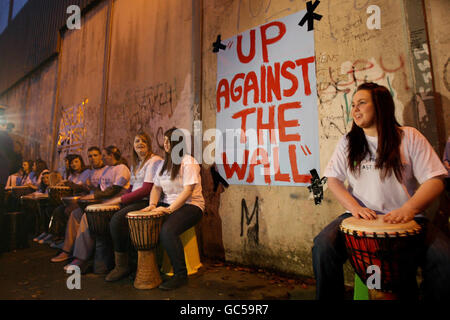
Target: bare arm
154, 198
182, 197
348, 202
427, 192
179, 201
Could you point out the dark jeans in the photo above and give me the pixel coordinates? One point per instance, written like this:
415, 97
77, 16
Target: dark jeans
60, 216
119, 226
329, 254
173, 226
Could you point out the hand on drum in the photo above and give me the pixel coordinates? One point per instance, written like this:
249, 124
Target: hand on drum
162, 210
153, 209
400, 215
364, 213
149, 208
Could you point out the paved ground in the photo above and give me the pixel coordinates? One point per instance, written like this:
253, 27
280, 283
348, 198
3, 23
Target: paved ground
29, 274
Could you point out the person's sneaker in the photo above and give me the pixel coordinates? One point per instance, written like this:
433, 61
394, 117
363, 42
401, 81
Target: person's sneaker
57, 244
63, 256
174, 283
47, 238
83, 265
39, 237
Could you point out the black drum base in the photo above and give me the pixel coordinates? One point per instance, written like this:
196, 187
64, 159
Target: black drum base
15, 228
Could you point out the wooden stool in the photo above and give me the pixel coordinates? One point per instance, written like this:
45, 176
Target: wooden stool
191, 255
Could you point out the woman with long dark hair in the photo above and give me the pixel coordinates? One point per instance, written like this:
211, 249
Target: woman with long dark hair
178, 177
76, 180
35, 175
382, 161
26, 170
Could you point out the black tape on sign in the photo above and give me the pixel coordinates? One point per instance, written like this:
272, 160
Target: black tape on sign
218, 45
310, 15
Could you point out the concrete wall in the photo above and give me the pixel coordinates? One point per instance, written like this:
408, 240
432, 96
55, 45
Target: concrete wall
81, 80
437, 23
150, 71
30, 109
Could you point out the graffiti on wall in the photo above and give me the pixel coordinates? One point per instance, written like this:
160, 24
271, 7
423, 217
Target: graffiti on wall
422, 56
336, 88
252, 231
154, 100
72, 130
445, 76
144, 105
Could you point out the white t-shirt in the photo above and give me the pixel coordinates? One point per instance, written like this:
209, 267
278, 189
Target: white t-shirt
118, 175
146, 173
95, 175
420, 164
189, 174
79, 178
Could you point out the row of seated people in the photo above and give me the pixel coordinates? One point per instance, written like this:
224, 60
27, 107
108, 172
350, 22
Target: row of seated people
152, 185
35, 176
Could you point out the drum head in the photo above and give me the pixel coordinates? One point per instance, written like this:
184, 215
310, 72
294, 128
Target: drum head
59, 187
35, 196
102, 207
378, 227
135, 214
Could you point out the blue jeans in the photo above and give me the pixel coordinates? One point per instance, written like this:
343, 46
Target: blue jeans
329, 254
118, 226
173, 226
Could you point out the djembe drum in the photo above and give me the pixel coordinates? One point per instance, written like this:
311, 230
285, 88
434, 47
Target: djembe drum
18, 191
393, 248
35, 202
83, 203
144, 232
98, 218
56, 193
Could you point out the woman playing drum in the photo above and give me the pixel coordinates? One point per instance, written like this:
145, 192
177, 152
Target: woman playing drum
381, 162
145, 163
179, 178
97, 168
114, 181
77, 182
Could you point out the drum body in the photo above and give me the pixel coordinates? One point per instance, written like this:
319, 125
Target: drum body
98, 217
144, 232
16, 231
56, 193
393, 248
19, 191
33, 204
